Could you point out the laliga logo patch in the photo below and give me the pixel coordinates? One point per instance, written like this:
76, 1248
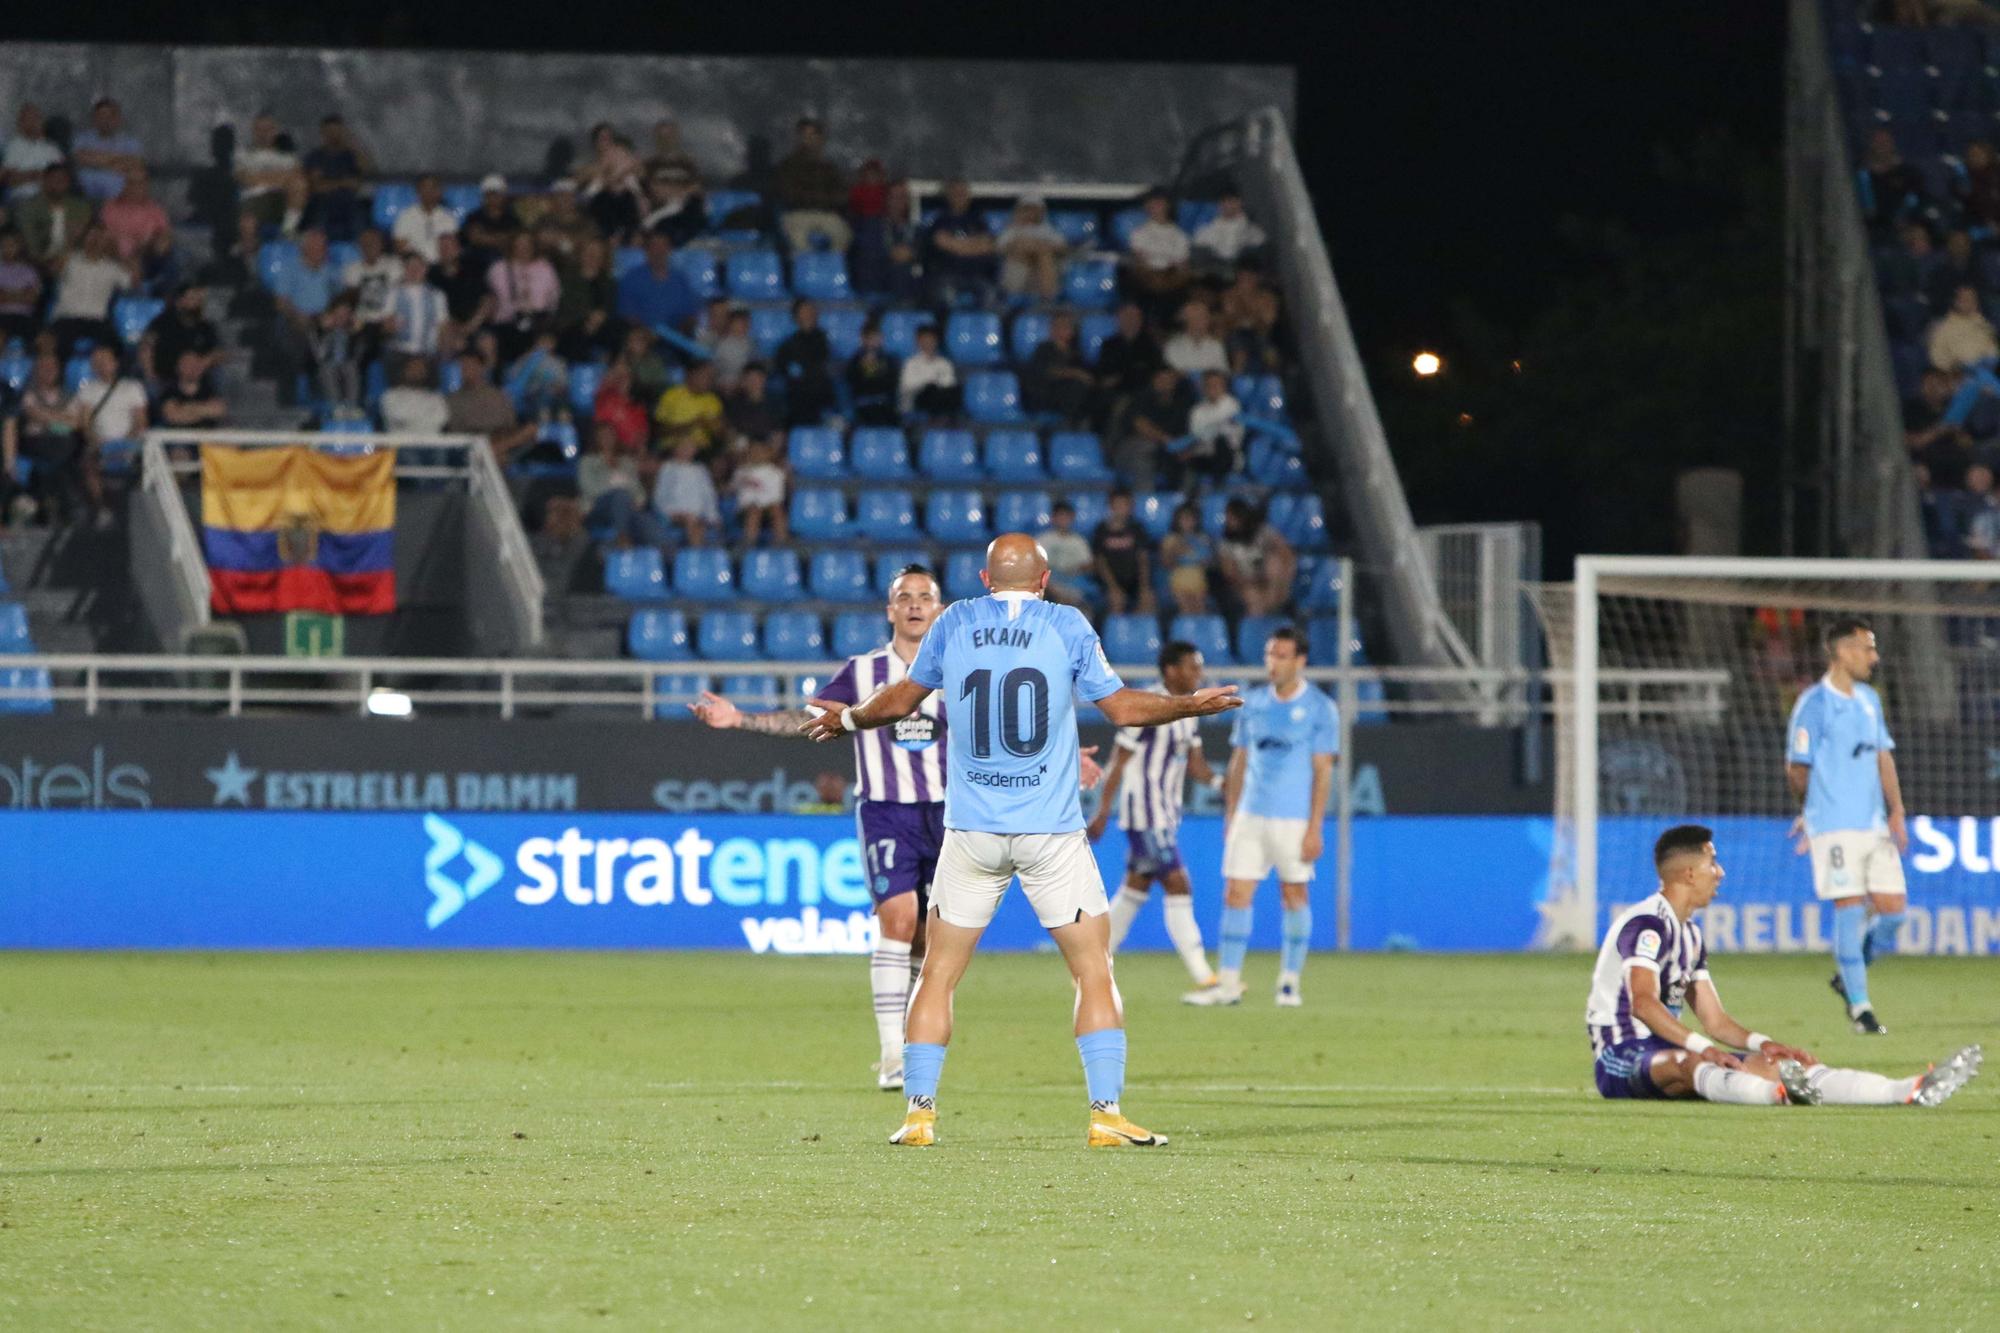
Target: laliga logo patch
1647, 946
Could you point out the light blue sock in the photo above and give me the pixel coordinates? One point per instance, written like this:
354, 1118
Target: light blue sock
1103, 1055
923, 1062
1881, 936
1234, 938
1298, 929
1850, 928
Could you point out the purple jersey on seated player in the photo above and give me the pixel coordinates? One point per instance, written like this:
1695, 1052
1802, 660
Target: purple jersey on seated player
1651, 936
899, 779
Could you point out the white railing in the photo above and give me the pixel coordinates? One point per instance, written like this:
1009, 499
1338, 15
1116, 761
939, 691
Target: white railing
166, 559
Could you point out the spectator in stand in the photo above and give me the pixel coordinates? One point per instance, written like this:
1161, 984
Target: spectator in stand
747, 413
1031, 252
420, 226
29, 153
372, 277
674, 206
490, 228
1257, 564
584, 304
190, 402
958, 251
91, 277
417, 313
684, 494
51, 438
928, 382
805, 361
566, 224
1979, 191
1188, 552
691, 409
1159, 417
616, 408
20, 290
655, 294
1978, 516
1945, 273
611, 493
538, 380
1124, 558
649, 368
1125, 366
412, 406
610, 188
54, 220
264, 170
759, 488
1894, 186
1250, 313
112, 405
1215, 435
1935, 441
1070, 557
811, 192
668, 154
335, 171
1056, 380
468, 302
1964, 338
1906, 270
870, 194
1222, 242
873, 380
477, 407
137, 223
525, 291
183, 327
105, 152
302, 294
336, 357
1156, 269
1195, 348
887, 253
297, 215
733, 348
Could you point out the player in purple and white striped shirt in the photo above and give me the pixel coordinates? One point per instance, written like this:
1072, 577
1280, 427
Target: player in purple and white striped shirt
1148, 771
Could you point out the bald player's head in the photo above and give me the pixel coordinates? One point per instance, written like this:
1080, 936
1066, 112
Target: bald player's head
1016, 562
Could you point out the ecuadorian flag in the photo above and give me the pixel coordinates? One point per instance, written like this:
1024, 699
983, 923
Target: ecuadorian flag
293, 529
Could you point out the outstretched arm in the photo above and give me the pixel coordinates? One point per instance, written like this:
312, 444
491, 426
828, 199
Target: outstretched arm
723, 715
889, 704
1143, 708
1716, 1021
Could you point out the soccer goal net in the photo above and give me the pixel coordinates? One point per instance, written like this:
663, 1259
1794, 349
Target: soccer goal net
1682, 676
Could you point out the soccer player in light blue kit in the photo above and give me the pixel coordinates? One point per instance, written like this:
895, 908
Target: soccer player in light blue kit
1840, 758
1274, 802
1010, 666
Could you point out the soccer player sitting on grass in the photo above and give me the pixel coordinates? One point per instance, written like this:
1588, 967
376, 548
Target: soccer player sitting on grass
1010, 666
1653, 959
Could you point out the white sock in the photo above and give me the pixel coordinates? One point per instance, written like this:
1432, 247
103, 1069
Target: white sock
1183, 930
889, 977
1858, 1087
1124, 910
1713, 1083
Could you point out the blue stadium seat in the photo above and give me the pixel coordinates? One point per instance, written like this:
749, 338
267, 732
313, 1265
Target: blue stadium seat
757, 694
1077, 456
769, 326
636, 575
76, 371
773, 576
888, 515
1323, 641
1261, 395
993, 396
1014, 455
821, 515
1021, 511
391, 198
1090, 507
462, 199
1270, 465
722, 203
1316, 587
340, 254
1091, 283
843, 329
1194, 214
1123, 223
14, 636
1212, 507
817, 453
1091, 331
880, 453
451, 378
700, 269
996, 219
1077, 225
659, 635
1131, 640
757, 275
585, 379
822, 275
840, 576
274, 258
889, 562
133, 315
956, 516
1305, 525
1253, 631
793, 636
857, 632
34, 680
1206, 632
950, 455
899, 331
972, 338
673, 694
961, 576
626, 258
1155, 512
1031, 330
15, 368
727, 636
703, 575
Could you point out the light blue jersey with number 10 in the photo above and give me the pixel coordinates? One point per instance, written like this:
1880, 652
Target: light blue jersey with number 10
1009, 665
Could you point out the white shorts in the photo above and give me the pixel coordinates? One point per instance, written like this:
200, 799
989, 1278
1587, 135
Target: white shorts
1852, 862
1058, 873
1259, 844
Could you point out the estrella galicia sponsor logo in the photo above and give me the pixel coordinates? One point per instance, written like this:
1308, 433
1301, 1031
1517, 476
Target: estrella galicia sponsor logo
450, 894
237, 783
91, 782
916, 732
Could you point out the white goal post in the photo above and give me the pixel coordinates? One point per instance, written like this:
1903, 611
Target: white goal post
1682, 674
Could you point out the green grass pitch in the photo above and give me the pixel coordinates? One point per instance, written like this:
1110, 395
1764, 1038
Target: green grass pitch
694, 1141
